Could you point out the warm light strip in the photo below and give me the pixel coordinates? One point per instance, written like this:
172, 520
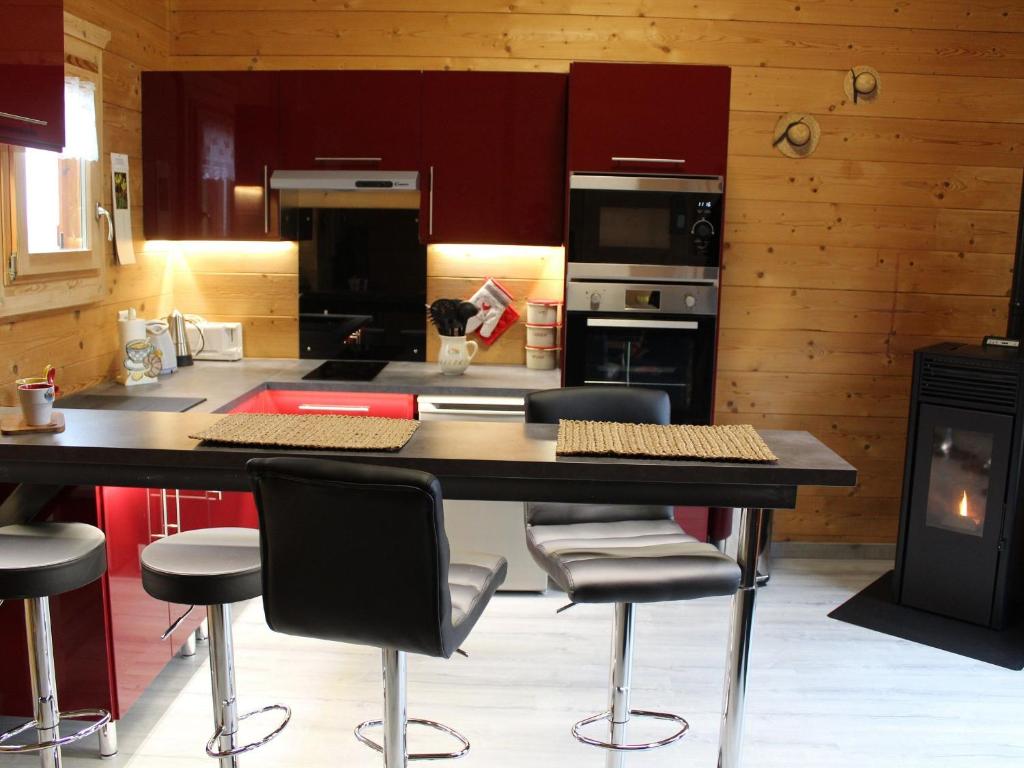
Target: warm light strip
498, 251
253, 247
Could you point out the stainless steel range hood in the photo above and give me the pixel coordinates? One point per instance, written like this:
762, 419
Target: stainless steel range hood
346, 181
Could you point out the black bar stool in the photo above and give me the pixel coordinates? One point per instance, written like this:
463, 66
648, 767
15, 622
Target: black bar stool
37, 561
214, 567
620, 554
376, 536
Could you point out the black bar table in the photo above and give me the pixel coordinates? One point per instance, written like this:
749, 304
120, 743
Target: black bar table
473, 460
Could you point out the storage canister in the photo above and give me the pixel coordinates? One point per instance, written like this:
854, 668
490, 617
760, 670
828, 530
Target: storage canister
542, 311
541, 358
542, 334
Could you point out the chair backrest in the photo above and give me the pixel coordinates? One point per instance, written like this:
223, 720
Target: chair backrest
629, 405
353, 552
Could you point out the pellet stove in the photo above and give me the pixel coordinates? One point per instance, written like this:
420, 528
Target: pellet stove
961, 541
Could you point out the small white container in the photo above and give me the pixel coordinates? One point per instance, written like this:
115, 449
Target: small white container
541, 358
542, 311
542, 334
36, 403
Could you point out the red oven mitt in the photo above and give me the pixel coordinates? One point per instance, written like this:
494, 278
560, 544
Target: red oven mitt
496, 312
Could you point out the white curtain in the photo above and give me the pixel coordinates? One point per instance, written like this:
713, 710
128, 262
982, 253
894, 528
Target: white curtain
80, 138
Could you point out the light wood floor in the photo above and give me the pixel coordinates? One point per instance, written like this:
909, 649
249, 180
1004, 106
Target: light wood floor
822, 693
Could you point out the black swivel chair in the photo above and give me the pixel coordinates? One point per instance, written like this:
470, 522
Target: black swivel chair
358, 554
620, 554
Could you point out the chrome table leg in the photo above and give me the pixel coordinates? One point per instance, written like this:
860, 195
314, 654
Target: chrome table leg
395, 750
222, 680
752, 524
43, 674
623, 638
108, 739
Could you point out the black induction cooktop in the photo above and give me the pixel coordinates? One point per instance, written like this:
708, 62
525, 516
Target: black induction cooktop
346, 370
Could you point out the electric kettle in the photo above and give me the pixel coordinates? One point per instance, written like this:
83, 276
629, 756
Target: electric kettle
183, 350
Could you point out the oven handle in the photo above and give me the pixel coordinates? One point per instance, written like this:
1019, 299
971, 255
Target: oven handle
689, 325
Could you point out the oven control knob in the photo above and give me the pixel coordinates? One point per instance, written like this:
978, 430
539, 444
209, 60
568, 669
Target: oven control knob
595, 300
690, 301
703, 229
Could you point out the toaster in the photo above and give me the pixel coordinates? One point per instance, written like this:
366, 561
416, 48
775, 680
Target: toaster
214, 341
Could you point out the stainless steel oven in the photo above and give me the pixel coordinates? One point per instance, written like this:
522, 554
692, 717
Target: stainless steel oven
658, 334
663, 223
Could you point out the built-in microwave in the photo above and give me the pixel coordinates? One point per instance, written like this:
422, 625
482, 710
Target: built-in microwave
617, 223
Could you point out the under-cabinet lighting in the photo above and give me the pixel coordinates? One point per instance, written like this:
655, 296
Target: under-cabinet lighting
481, 251
254, 247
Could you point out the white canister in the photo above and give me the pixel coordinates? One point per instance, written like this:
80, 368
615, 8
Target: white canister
542, 334
36, 402
541, 358
456, 354
542, 311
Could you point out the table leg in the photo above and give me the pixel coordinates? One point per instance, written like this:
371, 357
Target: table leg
752, 525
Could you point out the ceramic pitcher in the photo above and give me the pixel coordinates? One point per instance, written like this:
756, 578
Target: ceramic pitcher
456, 354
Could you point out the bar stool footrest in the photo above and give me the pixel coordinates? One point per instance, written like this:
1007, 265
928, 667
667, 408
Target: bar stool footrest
103, 717
212, 748
676, 736
418, 755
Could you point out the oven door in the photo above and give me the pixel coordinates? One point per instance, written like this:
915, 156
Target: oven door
674, 354
661, 222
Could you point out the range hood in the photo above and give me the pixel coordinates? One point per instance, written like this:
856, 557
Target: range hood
335, 181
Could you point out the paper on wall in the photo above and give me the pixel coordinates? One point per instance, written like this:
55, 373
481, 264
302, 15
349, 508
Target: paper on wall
120, 183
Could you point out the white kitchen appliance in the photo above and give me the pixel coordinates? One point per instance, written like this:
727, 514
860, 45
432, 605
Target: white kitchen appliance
496, 527
214, 341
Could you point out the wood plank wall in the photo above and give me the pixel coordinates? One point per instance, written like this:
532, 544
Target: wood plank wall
898, 231
83, 342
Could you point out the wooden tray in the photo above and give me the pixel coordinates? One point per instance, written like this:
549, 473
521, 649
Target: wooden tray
15, 425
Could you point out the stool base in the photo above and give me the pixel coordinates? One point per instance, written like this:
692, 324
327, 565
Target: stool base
416, 755
676, 736
103, 717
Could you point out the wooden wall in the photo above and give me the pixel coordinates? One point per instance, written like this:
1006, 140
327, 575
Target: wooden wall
83, 342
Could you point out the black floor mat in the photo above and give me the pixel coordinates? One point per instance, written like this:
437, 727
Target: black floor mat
873, 608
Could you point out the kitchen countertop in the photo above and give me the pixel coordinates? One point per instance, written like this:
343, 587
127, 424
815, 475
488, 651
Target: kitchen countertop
223, 383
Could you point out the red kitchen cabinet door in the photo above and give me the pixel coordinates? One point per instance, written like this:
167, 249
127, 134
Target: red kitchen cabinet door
648, 118
137, 620
494, 158
210, 141
32, 74
350, 120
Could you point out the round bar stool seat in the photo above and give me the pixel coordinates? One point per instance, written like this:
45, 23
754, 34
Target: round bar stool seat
49, 558
213, 566
37, 562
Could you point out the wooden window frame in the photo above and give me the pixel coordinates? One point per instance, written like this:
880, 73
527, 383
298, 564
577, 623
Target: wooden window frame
42, 282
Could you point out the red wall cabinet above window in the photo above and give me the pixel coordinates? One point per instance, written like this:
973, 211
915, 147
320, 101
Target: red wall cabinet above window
350, 120
648, 118
32, 73
209, 145
493, 158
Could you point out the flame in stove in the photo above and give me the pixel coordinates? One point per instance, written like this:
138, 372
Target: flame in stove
963, 505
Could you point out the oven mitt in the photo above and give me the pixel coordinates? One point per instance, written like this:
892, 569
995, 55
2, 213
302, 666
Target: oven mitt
496, 311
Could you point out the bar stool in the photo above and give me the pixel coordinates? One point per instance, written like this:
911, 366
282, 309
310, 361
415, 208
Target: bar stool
214, 567
376, 536
620, 554
36, 562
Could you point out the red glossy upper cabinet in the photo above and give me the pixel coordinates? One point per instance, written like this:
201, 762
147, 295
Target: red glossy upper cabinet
648, 118
350, 120
32, 73
493, 158
210, 141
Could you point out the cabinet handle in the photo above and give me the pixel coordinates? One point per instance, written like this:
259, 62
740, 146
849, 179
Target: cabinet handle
430, 211
346, 408
23, 119
348, 159
683, 325
659, 160
266, 201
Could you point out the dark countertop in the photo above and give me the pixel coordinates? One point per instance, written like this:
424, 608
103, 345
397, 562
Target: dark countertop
500, 461
223, 383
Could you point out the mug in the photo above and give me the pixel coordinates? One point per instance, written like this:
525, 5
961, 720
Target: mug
36, 403
455, 355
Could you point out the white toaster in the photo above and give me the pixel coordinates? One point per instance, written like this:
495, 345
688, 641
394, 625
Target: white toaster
213, 340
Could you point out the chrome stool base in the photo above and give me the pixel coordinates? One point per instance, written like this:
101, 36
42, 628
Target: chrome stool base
211, 745
417, 755
102, 715
683, 729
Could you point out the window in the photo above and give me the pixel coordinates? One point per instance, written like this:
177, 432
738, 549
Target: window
53, 245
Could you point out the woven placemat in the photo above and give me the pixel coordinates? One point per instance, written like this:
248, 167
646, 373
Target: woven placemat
346, 433
733, 442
